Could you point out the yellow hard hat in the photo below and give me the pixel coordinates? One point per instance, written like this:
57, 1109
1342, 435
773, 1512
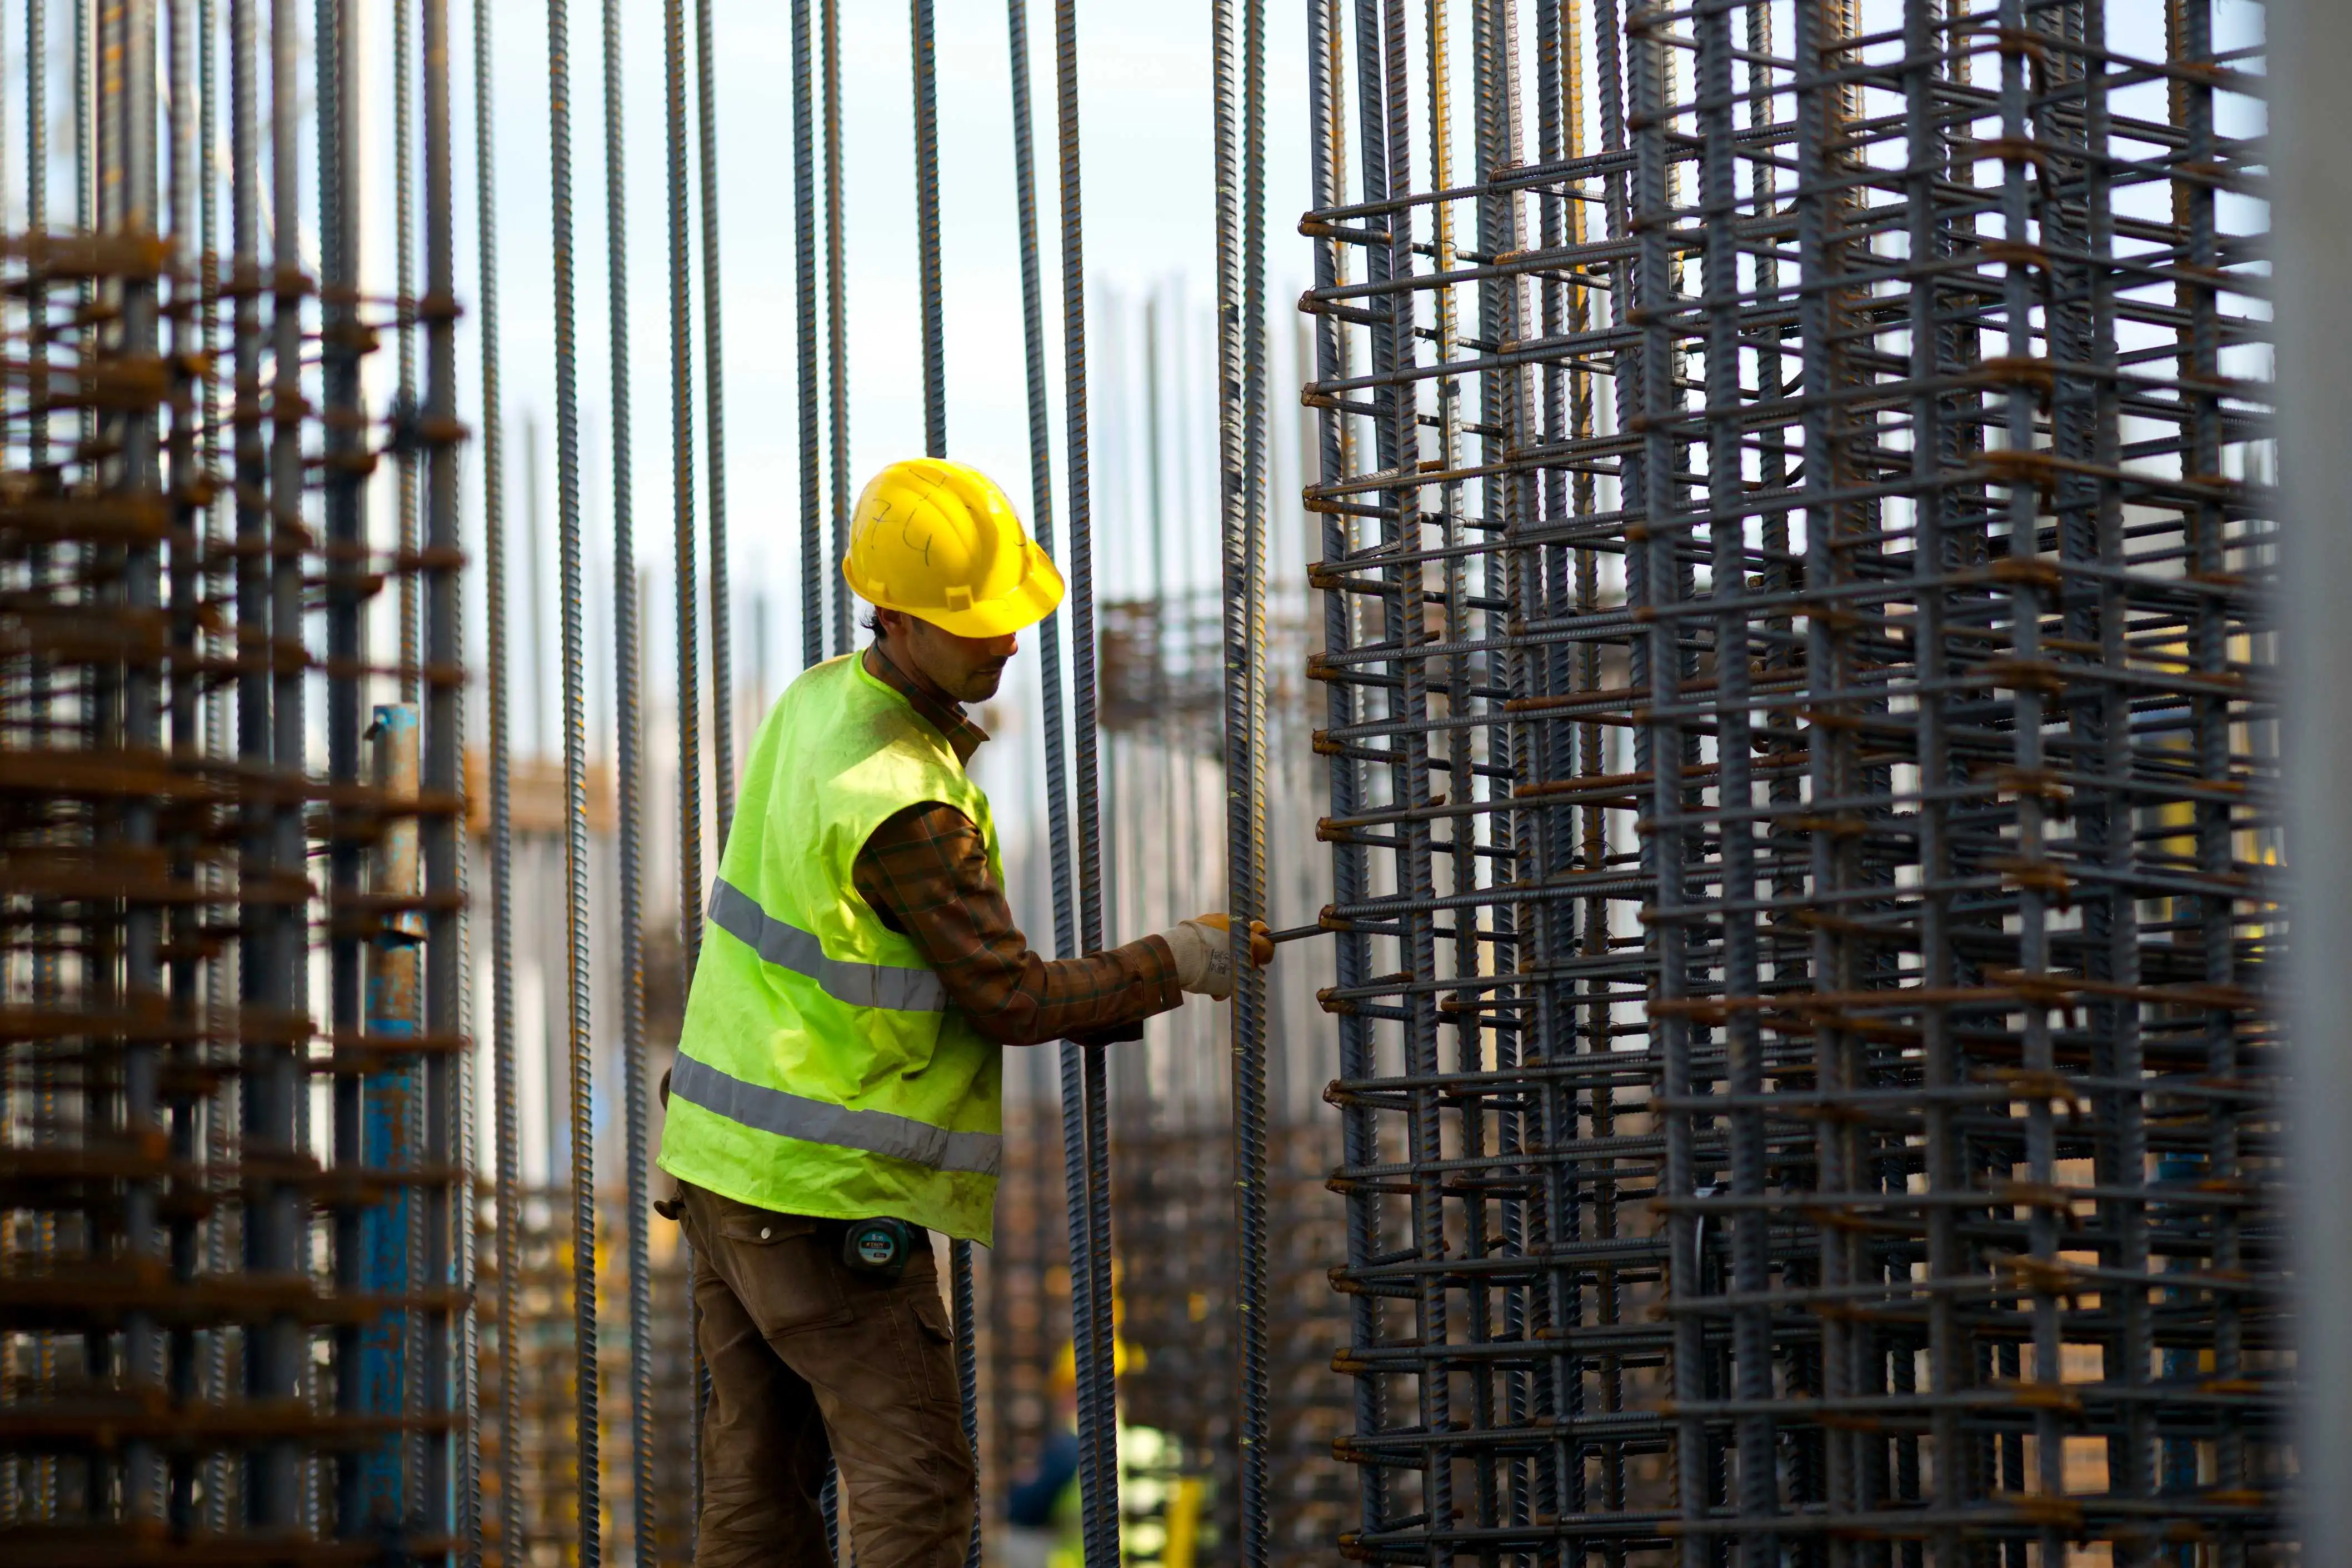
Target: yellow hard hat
940, 542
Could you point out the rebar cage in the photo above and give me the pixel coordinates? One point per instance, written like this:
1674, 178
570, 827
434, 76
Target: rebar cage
222, 1333
1796, 499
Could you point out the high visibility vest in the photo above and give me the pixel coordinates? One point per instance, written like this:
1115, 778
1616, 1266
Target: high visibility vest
822, 1069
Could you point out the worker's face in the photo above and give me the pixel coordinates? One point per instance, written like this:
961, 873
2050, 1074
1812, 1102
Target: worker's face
968, 669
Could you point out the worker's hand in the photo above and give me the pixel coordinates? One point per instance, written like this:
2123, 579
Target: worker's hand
1204, 957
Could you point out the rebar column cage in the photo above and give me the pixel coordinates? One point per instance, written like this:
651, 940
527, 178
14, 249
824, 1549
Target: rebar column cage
1796, 499
235, 1286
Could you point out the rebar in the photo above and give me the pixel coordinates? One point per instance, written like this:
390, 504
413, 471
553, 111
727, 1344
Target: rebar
1241, 368
689, 682
373, 1103
812, 557
1806, 740
202, 1318
1793, 483
629, 742
507, 1168
1085, 1323
836, 319
681, 393
714, 430
1041, 484
579, 1056
929, 300
287, 1114
406, 499
1096, 1349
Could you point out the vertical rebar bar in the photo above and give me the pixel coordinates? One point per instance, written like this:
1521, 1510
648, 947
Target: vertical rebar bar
636, 1091
279, 1117
184, 701
926, 230
405, 497
836, 323
217, 584
681, 392
1083, 1320
367, 1374
812, 558
507, 1154
586, 1487
1238, 78
1097, 1351
1041, 487
714, 431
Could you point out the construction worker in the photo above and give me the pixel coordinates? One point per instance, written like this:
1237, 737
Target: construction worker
835, 1097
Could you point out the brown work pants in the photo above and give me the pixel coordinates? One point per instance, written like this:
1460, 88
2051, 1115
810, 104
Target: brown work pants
811, 1360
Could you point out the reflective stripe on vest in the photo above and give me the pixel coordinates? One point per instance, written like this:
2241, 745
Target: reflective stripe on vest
787, 946
814, 1121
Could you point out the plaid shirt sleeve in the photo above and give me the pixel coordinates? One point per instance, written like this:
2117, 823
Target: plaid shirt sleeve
925, 871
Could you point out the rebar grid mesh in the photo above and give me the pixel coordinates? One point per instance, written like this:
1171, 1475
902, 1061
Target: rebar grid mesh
1801, 766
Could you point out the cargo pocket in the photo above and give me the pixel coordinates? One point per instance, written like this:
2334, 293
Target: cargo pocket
934, 1349
778, 1266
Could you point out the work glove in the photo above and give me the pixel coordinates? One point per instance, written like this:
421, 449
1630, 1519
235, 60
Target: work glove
1204, 957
